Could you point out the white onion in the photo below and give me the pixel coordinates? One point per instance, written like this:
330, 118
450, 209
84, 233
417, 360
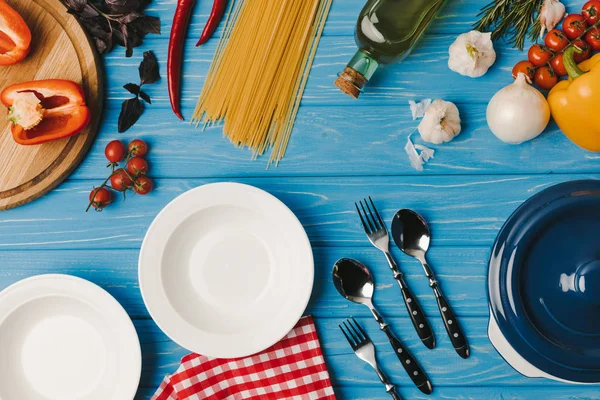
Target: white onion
518, 112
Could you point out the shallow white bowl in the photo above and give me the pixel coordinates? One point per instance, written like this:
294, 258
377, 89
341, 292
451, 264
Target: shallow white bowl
226, 270
64, 338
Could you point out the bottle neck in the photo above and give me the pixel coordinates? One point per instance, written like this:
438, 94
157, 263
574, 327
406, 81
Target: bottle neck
364, 64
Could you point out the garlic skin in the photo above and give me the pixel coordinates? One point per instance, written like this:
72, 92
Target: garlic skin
472, 54
441, 122
550, 15
518, 112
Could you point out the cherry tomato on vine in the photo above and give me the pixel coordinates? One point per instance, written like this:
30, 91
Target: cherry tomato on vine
143, 185
538, 55
524, 67
115, 151
100, 198
587, 51
120, 180
593, 38
558, 66
590, 11
574, 26
545, 78
556, 40
137, 166
137, 147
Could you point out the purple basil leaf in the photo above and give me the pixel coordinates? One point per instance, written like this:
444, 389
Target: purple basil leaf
147, 24
129, 17
126, 41
122, 6
131, 110
149, 69
101, 45
89, 12
145, 97
132, 88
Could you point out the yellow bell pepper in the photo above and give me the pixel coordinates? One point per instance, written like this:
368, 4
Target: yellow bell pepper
574, 103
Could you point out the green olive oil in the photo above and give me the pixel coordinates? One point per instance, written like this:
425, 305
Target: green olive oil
386, 32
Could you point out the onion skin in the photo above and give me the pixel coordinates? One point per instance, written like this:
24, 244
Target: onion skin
518, 112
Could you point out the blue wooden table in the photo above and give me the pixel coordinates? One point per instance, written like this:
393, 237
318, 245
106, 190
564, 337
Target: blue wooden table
341, 150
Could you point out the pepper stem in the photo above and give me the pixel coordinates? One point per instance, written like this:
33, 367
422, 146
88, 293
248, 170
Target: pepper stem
569, 61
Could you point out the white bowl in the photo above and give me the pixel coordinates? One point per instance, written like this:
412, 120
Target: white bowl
226, 270
64, 338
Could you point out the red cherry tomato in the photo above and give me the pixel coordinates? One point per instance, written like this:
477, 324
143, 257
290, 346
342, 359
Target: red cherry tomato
587, 51
545, 78
593, 38
556, 40
137, 166
137, 147
120, 180
538, 55
143, 185
524, 67
115, 151
590, 11
100, 198
574, 26
558, 66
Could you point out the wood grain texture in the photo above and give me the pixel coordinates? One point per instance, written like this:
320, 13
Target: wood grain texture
462, 210
59, 49
341, 150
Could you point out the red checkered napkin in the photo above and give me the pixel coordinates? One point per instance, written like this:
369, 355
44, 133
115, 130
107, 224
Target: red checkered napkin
294, 369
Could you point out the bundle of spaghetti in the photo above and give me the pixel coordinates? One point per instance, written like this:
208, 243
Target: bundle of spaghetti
262, 62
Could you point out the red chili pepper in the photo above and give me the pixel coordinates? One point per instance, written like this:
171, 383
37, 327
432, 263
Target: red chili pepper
213, 21
176, 41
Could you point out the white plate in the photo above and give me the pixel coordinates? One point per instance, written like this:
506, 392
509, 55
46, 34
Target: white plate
64, 338
226, 270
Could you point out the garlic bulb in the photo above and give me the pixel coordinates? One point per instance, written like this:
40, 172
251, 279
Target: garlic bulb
518, 112
550, 15
441, 122
472, 54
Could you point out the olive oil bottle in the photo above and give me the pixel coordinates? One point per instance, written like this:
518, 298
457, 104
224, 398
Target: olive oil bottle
386, 32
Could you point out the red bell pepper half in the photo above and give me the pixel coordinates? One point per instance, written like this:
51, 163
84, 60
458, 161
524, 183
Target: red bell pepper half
15, 36
45, 110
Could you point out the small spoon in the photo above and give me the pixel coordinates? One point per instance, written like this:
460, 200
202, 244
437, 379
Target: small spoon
412, 236
354, 281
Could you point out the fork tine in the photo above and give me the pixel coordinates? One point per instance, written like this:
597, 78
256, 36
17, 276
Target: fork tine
362, 220
372, 215
377, 213
348, 338
373, 229
363, 333
360, 338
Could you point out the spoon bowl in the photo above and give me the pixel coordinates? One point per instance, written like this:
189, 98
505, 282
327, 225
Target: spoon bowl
411, 233
353, 281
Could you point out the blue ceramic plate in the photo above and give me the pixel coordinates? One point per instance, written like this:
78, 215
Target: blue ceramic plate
544, 281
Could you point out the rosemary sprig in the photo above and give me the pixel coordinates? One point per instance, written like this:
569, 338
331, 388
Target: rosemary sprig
513, 19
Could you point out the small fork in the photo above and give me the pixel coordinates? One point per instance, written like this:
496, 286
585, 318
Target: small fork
378, 236
365, 350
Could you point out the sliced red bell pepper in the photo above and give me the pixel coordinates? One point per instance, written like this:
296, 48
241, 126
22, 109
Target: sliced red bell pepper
61, 107
15, 36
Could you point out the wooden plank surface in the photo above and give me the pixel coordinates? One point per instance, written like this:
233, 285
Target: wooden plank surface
341, 151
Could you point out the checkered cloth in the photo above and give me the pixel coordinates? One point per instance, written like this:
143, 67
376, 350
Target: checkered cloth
294, 369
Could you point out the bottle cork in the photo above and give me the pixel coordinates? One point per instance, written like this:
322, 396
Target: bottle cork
351, 82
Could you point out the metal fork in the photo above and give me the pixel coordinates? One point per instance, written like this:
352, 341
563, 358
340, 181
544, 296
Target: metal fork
365, 350
378, 236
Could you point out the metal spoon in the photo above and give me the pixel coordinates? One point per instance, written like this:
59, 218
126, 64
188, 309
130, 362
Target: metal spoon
354, 281
412, 236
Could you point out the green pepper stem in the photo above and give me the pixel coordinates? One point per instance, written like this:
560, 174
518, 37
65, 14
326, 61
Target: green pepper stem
569, 61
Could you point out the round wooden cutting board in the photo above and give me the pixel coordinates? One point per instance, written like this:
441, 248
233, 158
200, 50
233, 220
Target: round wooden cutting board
60, 49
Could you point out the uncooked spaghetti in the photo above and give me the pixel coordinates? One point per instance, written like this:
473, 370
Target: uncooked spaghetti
256, 81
